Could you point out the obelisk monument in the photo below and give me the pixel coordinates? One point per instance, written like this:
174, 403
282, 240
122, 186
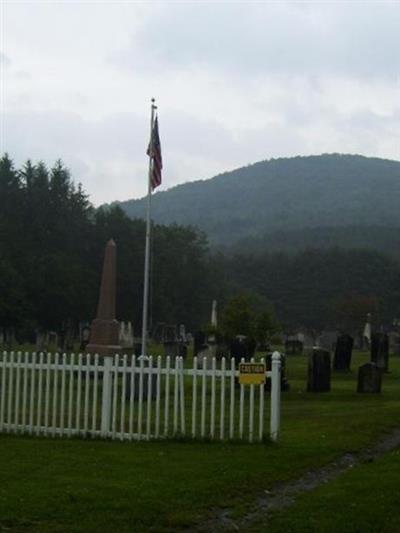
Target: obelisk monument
104, 335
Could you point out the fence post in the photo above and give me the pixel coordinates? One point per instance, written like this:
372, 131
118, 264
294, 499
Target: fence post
106, 396
275, 395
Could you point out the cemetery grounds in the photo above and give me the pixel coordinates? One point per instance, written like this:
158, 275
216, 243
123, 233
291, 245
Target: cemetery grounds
68, 485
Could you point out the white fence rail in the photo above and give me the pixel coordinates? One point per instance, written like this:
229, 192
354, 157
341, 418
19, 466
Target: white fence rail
128, 397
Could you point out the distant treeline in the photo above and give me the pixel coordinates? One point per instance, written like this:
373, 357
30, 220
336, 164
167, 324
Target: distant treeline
51, 252
52, 244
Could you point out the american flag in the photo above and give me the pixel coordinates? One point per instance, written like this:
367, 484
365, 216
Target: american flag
154, 151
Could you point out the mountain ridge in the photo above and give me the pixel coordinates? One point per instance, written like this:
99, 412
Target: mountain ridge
285, 194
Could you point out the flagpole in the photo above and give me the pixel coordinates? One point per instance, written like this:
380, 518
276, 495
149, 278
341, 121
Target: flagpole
147, 248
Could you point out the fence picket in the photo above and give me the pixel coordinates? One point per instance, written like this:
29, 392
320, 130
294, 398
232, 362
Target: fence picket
176, 391
232, 401
166, 407
194, 397
32, 393
132, 395
149, 396
78, 395
115, 397
55, 393
251, 409
140, 403
123, 395
63, 387
24, 393
3, 389
17, 392
203, 398
95, 385
222, 412
70, 394
158, 395
47, 395
87, 395
241, 407
10, 391
261, 410
182, 396
39, 395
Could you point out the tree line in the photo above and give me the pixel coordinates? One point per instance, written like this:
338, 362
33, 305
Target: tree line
52, 244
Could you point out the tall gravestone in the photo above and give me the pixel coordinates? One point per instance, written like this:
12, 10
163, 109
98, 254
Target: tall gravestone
319, 371
104, 333
369, 378
268, 366
343, 351
380, 350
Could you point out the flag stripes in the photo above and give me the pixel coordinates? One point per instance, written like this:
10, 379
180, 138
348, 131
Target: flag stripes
154, 151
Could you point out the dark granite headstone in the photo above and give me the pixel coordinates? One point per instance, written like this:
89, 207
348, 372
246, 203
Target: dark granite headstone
369, 378
380, 350
268, 364
293, 347
200, 342
238, 350
319, 371
344, 348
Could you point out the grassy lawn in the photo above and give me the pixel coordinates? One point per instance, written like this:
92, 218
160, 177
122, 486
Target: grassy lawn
76, 485
365, 499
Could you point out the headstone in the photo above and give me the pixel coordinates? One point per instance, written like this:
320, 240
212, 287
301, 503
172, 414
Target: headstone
367, 337
394, 342
126, 335
40, 340
380, 350
319, 371
268, 364
343, 351
369, 378
293, 347
239, 349
182, 333
104, 335
85, 336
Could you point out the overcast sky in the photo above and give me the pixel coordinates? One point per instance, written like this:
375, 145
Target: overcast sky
235, 83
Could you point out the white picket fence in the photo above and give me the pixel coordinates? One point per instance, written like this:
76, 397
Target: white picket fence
128, 397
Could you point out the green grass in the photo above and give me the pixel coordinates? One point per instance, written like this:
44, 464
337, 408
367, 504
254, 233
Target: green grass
76, 485
365, 499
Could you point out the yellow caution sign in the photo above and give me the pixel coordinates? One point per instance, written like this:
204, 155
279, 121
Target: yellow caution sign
251, 373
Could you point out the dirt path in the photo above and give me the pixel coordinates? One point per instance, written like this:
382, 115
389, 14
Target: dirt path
284, 494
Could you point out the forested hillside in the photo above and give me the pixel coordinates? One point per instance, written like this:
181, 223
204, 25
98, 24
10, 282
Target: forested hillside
288, 195
51, 253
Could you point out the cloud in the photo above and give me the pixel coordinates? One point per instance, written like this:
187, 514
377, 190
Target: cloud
236, 83
244, 39
4, 60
